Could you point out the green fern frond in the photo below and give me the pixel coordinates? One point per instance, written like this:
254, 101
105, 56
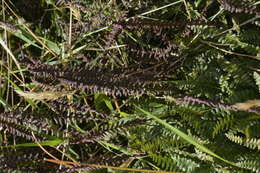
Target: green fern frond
203, 156
251, 36
223, 124
235, 43
106, 131
175, 162
250, 164
251, 143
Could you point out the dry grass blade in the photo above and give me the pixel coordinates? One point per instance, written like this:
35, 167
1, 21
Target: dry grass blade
12, 56
45, 95
248, 104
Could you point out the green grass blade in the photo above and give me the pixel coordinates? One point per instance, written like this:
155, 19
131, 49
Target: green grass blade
53, 46
51, 143
3, 102
27, 40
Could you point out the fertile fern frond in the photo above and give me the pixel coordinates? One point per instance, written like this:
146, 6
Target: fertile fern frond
75, 111
18, 125
191, 101
137, 23
239, 7
77, 169
25, 161
190, 53
114, 83
160, 54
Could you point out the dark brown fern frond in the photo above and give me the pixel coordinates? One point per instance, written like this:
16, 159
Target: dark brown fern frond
114, 83
188, 100
160, 54
165, 47
235, 6
44, 70
18, 125
25, 161
77, 169
46, 83
75, 111
137, 23
153, 25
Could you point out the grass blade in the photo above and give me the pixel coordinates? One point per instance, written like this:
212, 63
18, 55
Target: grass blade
12, 56
51, 143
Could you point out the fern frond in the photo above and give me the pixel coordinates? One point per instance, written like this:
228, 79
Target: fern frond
251, 143
110, 83
203, 156
76, 111
160, 54
137, 23
25, 161
106, 131
160, 145
223, 124
18, 126
77, 169
250, 36
187, 100
234, 42
175, 162
239, 7
249, 162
